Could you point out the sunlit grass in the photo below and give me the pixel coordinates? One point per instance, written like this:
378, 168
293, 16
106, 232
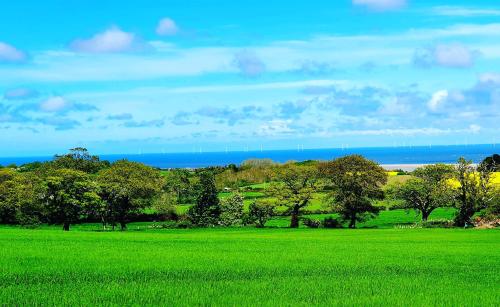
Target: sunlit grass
251, 267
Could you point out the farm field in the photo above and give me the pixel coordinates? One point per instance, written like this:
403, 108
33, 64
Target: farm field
420, 267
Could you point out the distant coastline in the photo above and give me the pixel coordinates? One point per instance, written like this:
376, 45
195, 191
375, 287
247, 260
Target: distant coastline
405, 158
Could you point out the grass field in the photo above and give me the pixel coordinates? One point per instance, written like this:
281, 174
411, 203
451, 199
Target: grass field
419, 267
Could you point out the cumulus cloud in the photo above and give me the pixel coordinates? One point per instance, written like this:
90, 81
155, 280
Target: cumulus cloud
58, 104
380, 5
167, 27
110, 41
437, 100
20, 93
248, 63
453, 55
9, 53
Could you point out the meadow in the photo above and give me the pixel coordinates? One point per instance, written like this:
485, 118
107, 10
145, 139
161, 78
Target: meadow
249, 267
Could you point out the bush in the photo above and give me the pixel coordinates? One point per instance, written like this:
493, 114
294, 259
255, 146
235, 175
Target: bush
311, 223
440, 223
331, 222
232, 210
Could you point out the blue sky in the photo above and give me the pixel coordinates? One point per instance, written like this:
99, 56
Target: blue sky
174, 76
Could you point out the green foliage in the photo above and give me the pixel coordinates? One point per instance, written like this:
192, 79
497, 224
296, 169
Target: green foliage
294, 188
164, 204
68, 195
127, 187
474, 193
207, 209
427, 191
259, 212
355, 182
232, 210
79, 159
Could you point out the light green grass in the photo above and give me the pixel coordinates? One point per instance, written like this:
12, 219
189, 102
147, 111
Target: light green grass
251, 267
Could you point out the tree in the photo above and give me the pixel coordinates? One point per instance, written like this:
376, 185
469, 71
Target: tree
474, 192
165, 204
355, 182
232, 210
428, 191
68, 195
492, 163
294, 187
207, 209
127, 187
79, 159
259, 213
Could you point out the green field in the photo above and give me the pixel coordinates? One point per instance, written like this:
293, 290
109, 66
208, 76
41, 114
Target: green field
424, 267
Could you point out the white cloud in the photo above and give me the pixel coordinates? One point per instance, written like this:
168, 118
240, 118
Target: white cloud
464, 11
111, 40
445, 55
54, 104
167, 27
380, 5
9, 53
438, 98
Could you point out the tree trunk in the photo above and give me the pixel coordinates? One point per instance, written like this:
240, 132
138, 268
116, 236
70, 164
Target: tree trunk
123, 225
352, 223
294, 221
66, 226
425, 215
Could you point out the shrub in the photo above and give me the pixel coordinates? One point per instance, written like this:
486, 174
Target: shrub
232, 210
259, 213
311, 223
331, 222
440, 223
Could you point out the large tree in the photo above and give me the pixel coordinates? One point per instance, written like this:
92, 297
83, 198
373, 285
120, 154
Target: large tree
427, 191
474, 192
127, 187
294, 187
69, 194
355, 182
207, 210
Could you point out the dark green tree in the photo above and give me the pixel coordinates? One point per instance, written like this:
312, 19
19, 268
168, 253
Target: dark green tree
355, 182
127, 187
68, 195
206, 211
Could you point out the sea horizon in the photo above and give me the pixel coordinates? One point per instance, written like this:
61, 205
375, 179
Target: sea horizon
395, 156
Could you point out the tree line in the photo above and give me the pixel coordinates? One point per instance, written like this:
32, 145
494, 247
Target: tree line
79, 187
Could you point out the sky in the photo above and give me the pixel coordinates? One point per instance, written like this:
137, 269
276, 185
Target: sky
184, 75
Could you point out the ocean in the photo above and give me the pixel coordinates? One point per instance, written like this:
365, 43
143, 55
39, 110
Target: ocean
382, 155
